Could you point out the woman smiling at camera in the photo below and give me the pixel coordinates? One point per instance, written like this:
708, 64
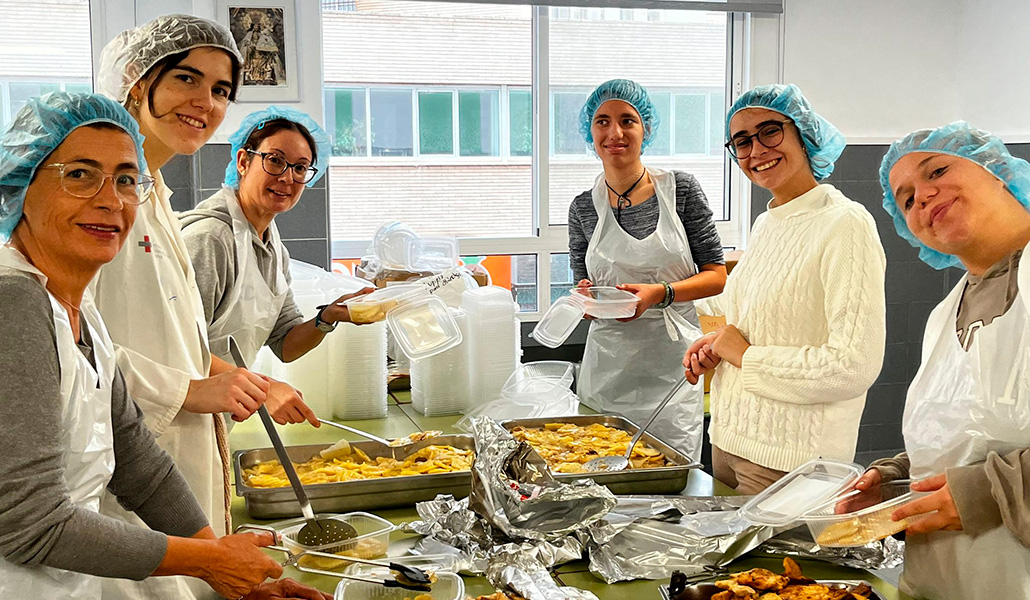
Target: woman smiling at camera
805, 307
70, 183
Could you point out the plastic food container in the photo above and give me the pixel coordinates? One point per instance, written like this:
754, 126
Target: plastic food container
545, 376
448, 586
424, 328
372, 540
434, 563
607, 302
559, 321
372, 308
809, 486
390, 244
432, 253
862, 524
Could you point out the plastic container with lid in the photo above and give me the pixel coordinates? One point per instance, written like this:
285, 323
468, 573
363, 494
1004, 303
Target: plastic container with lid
539, 377
432, 253
448, 586
372, 308
603, 302
559, 321
809, 486
390, 244
423, 328
862, 518
372, 540
434, 563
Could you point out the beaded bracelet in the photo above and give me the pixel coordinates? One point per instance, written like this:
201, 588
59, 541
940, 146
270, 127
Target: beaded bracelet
670, 296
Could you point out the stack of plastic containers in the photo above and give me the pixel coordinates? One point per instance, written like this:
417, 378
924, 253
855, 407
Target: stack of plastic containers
357, 373
494, 344
440, 384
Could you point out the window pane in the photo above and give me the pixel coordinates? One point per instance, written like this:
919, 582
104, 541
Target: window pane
717, 118
20, 93
520, 122
690, 124
479, 127
391, 123
436, 122
580, 59
565, 112
516, 272
561, 276
345, 120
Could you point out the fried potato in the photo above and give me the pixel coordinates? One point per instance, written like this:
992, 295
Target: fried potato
567, 447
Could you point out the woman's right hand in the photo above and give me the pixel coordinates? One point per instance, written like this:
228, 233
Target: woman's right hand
239, 391
582, 285
699, 359
237, 566
868, 486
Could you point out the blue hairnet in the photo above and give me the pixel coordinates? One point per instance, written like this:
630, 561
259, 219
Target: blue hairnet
37, 130
965, 141
257, 120
823, 142
629, 92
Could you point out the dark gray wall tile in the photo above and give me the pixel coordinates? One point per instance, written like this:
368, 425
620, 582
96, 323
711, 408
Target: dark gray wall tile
897, 324
308, 219
895, 364
315, 252
878, 436
885, 404
212, 160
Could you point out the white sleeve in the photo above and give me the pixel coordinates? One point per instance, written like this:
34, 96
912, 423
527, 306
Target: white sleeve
852, 275
158, 389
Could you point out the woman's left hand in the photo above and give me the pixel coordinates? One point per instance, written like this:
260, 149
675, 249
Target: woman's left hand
730, 345
946, 517
648, 295
336, 312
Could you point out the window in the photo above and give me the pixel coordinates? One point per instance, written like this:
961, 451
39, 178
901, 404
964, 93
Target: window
390, 124
345, 119
520, 122
479, 123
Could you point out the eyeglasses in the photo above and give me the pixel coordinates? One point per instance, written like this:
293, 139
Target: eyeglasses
85, 181
275, 164
769, 135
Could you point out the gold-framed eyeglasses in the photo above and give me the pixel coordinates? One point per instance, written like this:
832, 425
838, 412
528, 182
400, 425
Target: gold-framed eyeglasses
274, 164
84, 180
769, 135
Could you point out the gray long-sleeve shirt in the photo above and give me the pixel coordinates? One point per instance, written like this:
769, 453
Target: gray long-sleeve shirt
39, 525
640, 221
207, 230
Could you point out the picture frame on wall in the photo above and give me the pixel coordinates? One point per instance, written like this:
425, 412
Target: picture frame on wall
266, 34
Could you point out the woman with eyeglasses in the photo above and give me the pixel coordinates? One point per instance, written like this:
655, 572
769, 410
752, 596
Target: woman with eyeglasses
242, 266
71, 182
805, 306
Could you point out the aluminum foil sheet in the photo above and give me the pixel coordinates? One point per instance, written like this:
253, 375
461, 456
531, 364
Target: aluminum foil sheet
882, 554
514, 571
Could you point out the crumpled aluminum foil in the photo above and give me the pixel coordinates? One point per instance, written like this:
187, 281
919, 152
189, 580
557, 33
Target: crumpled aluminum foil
512, 570
882, 554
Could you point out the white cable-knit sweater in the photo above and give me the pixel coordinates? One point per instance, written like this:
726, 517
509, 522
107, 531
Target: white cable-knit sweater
808, 295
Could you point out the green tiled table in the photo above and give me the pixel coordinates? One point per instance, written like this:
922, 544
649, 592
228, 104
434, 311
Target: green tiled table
402, 419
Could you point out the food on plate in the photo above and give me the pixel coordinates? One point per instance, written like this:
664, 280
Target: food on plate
567, 447
369, 312
418, 436
763, 584
354, 464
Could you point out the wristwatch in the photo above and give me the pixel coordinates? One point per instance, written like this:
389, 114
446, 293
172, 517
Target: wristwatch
321, 325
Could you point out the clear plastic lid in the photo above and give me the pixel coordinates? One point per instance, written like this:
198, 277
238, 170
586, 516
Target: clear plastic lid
857, 518
374, 307
424, 328
448, 586
390, 244
540, 376
603, 302
559, 321
806, 487
433, 253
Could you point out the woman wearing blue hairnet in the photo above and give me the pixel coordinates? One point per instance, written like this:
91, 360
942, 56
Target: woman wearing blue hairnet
805, 306
71, 429
242, 267
958, 195
176, 76
649, 232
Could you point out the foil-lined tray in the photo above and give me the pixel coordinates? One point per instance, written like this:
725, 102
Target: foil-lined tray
705, 591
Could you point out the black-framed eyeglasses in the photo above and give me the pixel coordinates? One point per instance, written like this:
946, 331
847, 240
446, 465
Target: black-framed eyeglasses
769, 135
85, 181
275, 164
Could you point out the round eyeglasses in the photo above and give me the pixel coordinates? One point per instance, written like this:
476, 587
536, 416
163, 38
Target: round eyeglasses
274, 164
769, 134
84, 180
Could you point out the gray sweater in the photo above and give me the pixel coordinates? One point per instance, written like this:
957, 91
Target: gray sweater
38, 523
640, 221
207, 230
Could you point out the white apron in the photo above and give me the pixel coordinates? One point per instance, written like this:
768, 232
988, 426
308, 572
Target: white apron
960, 406
628, 368
253, 305
149, 300
87, 435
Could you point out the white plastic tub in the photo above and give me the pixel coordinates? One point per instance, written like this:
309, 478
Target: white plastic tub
835, 526
603, 302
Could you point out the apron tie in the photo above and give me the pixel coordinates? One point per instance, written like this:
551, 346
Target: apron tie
624, 196
222, 438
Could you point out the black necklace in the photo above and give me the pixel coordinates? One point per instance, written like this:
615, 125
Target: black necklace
623, 200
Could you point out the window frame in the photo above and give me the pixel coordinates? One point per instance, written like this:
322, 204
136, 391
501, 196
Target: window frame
553, 239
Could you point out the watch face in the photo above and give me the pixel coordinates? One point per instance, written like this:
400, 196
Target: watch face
323, 326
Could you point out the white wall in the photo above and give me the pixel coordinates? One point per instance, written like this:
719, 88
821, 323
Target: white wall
112, 16
879, 69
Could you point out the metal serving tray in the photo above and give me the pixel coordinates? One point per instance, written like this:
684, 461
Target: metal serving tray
345, 496
670, 479
705, 591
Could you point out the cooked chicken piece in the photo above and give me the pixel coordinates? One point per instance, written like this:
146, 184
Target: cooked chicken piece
727, 595
805, 592
792, 571
769, 597
738, 591
762, 579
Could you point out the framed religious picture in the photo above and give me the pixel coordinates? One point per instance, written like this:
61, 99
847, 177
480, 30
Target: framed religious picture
266, 33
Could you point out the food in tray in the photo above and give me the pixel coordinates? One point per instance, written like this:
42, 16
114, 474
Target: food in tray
763, 584
496, 596
355, 464
370, 312
418, 436
368, 548
860, 530
567, 447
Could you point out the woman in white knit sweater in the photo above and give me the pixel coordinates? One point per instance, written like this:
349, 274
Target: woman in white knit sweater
804, 307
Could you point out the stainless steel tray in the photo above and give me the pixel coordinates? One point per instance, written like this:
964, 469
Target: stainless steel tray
344, 496
705, 591
670, 479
